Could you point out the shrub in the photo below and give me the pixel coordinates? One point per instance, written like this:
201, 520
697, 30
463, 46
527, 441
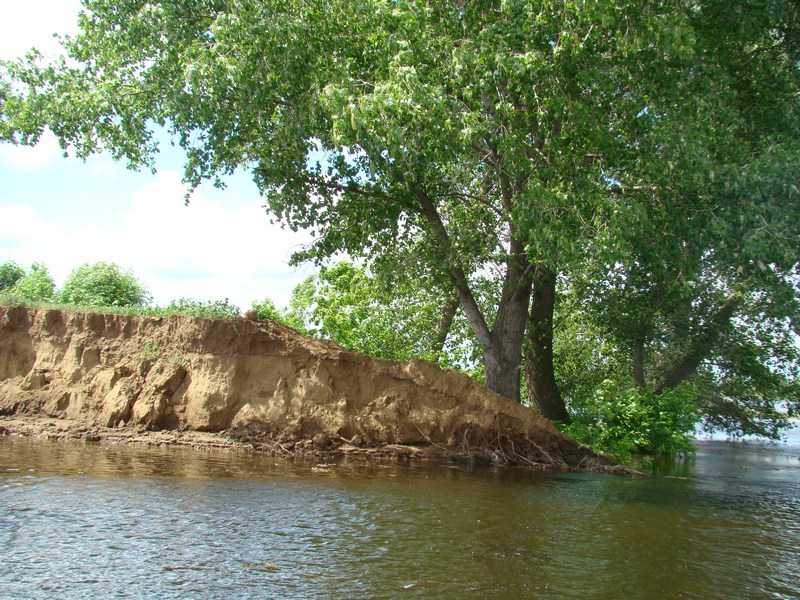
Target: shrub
103, 284
35, 286
205, 309
267, 310
10, 273
621, 419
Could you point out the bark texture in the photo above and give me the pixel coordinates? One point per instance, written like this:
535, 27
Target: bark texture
502, 343
539, 369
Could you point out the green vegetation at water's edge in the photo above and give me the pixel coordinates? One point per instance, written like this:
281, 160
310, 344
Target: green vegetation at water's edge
591, 206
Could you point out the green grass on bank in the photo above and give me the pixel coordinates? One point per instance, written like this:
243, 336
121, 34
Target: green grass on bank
183, 308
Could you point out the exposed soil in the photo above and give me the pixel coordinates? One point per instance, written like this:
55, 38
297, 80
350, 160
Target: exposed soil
255, 385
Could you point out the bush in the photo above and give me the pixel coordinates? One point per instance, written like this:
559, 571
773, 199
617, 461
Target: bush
10, 273
103, 284
205, 309
267, 310
35, 286
621, 419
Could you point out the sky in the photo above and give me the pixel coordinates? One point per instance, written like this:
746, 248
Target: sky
64, 212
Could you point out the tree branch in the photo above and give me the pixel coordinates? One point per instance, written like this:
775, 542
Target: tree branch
637, 358
445, 322
700, 347
468, 304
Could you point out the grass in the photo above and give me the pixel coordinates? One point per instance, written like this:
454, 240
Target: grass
200, 310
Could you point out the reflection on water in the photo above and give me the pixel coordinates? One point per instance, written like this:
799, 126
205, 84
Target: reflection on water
87, 521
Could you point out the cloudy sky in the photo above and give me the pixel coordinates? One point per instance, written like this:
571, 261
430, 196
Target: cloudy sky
65, 212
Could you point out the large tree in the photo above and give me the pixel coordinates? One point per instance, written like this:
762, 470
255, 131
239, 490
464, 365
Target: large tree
699, 244
490, 130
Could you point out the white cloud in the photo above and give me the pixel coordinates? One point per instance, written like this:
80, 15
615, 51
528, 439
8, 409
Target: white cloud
32, 24
26, 25
209, 249
28, 158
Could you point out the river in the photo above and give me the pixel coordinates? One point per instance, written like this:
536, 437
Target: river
90, 521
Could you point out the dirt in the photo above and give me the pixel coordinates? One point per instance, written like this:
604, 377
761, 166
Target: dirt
254, 385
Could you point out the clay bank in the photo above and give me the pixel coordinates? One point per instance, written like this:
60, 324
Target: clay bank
255, 385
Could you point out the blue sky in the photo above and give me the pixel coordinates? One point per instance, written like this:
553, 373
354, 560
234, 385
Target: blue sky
65, 212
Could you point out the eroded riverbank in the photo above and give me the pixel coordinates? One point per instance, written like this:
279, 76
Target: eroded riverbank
65, 430
254, 385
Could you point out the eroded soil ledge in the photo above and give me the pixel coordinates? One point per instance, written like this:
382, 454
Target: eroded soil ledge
256, 386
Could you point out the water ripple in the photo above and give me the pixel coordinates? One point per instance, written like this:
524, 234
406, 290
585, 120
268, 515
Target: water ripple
100, 522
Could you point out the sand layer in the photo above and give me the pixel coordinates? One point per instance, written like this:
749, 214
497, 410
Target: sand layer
255, 385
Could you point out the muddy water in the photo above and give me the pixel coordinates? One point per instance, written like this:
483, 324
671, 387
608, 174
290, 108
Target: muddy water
84, 521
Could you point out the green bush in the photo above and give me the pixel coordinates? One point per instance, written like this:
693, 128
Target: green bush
10, 273
205, 309
266, 310
35, 286
103, 284
621, 419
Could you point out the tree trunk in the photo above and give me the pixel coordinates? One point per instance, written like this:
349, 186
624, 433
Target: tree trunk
637, 358
502, 374
504, 357
539, 371
445, 322
502, 344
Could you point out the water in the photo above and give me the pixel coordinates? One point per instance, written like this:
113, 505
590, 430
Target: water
88, 521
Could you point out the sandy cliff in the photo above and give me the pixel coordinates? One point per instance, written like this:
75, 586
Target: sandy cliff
260, 383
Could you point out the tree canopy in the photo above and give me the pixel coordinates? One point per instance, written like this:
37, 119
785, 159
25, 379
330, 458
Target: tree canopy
34, 286
10, 273
103, 284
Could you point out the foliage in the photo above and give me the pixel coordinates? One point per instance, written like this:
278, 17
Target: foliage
103, 284
219, 309
266, 310
645, 153
348, 305
621, 419
205, 309
35, 286
488, 130
10, 273
747, 384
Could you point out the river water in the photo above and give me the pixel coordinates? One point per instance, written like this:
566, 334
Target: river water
89, 521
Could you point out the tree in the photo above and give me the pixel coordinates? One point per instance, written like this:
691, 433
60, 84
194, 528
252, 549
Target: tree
35, 286
488, 132
384, 319
447, 120
103, 284
712, 308
10, 273
702, 229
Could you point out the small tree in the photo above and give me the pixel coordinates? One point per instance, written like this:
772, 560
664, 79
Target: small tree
35, 286
204, 309
10, 273
386, 319
266, 310
103, 284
